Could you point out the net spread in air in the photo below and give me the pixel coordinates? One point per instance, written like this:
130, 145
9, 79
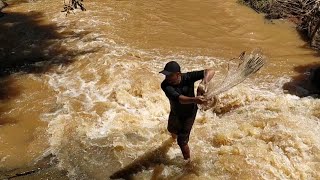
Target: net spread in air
248, 64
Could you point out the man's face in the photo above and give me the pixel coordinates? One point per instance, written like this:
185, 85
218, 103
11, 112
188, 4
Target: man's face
174, 78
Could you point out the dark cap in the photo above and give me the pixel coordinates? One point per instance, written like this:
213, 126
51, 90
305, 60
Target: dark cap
171, 67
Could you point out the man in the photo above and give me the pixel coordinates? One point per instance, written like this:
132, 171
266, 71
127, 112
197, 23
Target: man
179, 88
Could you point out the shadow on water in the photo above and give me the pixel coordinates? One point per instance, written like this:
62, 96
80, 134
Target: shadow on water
29, 46
157, 159
149, 159
306, 83
21, 46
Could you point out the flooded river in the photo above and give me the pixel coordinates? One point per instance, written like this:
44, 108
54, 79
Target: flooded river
86, 89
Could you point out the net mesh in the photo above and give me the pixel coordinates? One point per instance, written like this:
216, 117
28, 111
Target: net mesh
236, 73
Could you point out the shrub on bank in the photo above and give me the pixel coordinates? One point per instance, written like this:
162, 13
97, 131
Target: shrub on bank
258, 5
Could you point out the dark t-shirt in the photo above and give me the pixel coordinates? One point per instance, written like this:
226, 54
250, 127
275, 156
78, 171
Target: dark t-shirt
186, 88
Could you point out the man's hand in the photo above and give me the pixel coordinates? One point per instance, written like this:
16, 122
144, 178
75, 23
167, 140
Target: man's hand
200, 100
189, 100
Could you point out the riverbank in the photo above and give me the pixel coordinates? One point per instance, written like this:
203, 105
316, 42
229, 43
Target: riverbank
305, 14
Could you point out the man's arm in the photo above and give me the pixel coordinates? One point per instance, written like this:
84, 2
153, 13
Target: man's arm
208, 74
189, 100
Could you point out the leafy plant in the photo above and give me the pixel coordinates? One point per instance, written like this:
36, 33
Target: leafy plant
72, 5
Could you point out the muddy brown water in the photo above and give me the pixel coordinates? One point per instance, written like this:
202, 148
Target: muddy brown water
85, 88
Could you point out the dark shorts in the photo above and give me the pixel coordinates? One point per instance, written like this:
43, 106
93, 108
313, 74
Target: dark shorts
181, 126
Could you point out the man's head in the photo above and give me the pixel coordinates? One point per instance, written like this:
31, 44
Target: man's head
172, 72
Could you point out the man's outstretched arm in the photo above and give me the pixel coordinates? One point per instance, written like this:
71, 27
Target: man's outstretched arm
189, 100
208, 75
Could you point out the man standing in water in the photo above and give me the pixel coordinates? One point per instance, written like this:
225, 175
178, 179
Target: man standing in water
179, 88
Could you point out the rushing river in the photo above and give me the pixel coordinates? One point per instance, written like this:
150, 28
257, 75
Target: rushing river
93, 98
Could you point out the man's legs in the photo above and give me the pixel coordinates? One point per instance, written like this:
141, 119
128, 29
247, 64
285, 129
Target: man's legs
183, 136
180, 130
185, 151
184, 148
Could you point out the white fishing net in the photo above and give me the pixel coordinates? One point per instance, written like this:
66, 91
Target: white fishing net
236, 73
